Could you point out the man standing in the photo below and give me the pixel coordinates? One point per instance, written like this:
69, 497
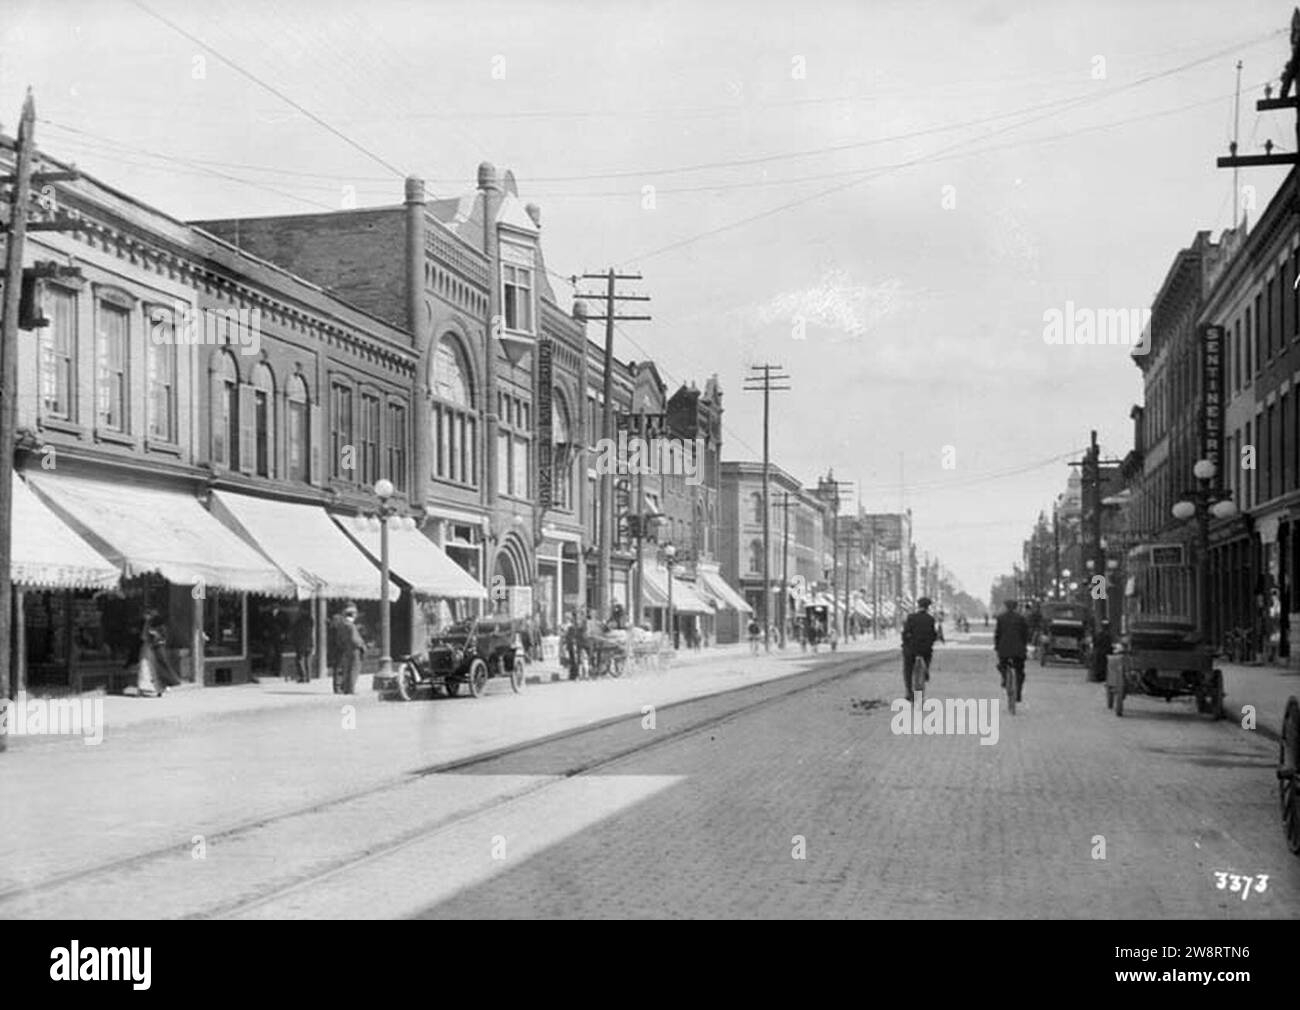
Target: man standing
1101, 649
919, 635
1011, 643
304, 639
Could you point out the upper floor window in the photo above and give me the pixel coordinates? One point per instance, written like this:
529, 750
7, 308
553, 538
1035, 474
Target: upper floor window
395, 441
514, 446
369, 439
756, 555
342, 450
562, 478
756, 503
455, 426
299, 430
113, 326
160, 367
225, 410
263, 419
518, 297
58, 343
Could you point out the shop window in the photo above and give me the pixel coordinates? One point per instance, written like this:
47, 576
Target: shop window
223, 624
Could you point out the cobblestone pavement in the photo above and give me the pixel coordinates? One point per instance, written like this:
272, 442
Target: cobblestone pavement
710, 824
711, 820
184, 781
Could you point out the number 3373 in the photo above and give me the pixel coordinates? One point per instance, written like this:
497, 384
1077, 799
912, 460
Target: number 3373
1235, 882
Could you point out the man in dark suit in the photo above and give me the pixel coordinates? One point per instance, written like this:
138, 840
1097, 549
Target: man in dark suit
919, 635
1011, 643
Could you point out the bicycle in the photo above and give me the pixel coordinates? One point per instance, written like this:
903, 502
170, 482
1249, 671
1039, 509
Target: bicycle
920, 674
1008, 671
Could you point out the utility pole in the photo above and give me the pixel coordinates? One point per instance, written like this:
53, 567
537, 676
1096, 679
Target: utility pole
762, 381
1056, 550
829, 488
21, 184
1090, 488
610, 316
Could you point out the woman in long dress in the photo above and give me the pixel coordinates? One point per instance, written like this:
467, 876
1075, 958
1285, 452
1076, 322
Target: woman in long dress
153, 672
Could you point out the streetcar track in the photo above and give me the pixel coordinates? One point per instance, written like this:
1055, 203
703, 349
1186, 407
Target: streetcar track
411, 837
853, 663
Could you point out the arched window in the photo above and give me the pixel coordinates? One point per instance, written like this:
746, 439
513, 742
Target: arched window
756, 556
225, 410
756, 502
263, 419
562, 479
299, 430
455, 424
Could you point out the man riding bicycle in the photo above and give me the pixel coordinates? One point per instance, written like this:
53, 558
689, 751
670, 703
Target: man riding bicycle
1011, 643
919, 635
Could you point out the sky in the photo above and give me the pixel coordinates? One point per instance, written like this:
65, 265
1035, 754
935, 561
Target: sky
887, 199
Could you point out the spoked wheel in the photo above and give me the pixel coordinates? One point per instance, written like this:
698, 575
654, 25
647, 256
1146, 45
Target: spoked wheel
1288, 769
920, 674
407, 678
617, 664
518, 674
478, 678
1120, 690
1010, 678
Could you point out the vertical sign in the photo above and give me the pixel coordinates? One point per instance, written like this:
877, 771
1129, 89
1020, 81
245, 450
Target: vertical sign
545, 434
1212, 395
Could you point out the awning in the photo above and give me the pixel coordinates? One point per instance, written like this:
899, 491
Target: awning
416, 560
48, 554
862, 608
714, 587
146, 530
302, 539
654, 584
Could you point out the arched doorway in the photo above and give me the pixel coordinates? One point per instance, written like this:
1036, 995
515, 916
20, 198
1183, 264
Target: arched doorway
511, 584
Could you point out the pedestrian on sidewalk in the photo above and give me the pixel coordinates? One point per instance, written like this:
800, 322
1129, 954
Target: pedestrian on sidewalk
919, 635
148, 655
304, 642
352, 648
753, 636
1011, 644
340, 644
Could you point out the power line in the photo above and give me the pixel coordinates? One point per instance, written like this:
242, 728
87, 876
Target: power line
271, 88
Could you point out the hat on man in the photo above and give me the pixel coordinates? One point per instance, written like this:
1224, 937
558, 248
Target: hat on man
924, 602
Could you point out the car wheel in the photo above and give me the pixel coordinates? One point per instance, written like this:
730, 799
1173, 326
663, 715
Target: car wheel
478, 678
407, 679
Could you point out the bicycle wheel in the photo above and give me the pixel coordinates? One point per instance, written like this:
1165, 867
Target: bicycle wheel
1010, 679
920, 674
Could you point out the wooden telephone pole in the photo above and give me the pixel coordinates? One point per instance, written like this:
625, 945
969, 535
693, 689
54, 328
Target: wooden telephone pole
763, 382
15, 229
610, 316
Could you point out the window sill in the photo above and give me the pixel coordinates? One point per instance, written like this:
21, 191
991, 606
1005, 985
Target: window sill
116, 437
453, 483
165, 448
62, 425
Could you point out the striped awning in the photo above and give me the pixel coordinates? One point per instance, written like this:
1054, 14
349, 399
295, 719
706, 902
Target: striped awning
654, 584
48, 554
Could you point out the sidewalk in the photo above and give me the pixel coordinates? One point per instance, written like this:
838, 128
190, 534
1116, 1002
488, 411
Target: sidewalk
187, 704
1267, 688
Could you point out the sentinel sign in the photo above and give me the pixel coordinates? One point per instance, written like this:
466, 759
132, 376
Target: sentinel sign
1212, 395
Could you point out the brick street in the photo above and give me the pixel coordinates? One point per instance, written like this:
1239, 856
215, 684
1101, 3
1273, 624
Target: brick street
698, 817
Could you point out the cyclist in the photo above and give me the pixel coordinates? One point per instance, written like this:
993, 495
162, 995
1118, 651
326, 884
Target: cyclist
1011, 643
919, 635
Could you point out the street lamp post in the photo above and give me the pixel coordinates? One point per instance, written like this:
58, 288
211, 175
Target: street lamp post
670, 553
1203, 502
387, 510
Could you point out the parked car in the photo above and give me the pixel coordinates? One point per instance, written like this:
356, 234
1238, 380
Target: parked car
469, 653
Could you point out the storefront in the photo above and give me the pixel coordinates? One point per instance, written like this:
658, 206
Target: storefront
555, 593
731, 612
688, 606
174, 557
321, 561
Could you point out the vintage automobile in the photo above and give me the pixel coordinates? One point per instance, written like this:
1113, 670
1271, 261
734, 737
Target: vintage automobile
1165, 659
1066, 632
468, 653
1288, 774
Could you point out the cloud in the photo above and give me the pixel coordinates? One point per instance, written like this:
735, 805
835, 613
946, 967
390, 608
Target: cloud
835, 303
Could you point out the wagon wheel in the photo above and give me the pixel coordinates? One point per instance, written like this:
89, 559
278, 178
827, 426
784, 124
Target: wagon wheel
1120, 691
617, 664
1288, 769
518, 673
407, 678
478, 677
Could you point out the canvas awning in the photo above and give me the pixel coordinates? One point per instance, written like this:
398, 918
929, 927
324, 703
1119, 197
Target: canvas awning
714, 587
317, 556
145, 530
48, 554
416, 560
654, 584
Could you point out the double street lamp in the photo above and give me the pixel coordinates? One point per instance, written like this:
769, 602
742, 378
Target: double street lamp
378, 522
1202, 503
